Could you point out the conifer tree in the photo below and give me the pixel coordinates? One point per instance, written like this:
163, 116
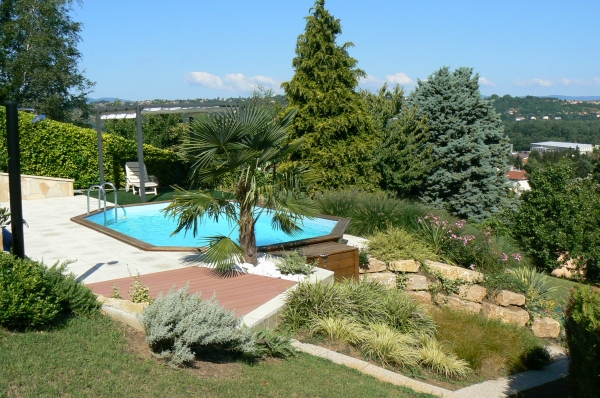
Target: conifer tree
469, 146
339, 132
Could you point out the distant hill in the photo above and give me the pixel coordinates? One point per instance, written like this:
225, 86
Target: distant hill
106, 99
567, 97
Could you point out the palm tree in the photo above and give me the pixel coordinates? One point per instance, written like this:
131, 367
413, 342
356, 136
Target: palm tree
245, 145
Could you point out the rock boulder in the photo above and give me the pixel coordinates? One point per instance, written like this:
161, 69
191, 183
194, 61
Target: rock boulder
546, 327
510, 314
404, 266
453, 272
506, 298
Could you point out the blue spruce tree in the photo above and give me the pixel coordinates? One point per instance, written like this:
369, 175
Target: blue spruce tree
470, 148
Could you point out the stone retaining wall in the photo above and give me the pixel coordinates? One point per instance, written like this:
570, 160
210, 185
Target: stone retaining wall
505, 305
37, 187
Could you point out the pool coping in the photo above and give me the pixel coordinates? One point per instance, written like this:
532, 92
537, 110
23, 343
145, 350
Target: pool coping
336, 234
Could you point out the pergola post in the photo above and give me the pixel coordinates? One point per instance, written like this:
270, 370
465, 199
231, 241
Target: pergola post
100, 149
140, 143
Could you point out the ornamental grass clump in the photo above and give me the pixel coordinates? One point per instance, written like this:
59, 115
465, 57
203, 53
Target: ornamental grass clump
398, 244
435, 357
364, 302
180, 326
389, 346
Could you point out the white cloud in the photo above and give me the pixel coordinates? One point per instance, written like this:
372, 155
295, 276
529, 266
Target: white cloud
400, 78
231, 82
533, 82
485, 82
371, 81
565, 82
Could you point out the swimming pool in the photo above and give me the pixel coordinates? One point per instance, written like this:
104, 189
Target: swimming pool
147, 227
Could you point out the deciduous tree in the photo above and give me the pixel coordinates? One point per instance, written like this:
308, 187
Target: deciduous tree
39, 56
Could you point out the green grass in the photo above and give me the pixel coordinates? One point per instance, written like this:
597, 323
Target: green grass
487, 345
563, 292
89, 357
128, 198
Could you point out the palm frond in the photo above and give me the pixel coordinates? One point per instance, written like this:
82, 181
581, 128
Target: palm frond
223, 252
190, 207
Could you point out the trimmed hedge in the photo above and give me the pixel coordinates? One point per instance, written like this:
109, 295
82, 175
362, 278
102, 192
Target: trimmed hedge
583, 337
64, 150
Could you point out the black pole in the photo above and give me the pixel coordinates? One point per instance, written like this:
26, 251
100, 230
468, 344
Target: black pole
14, 179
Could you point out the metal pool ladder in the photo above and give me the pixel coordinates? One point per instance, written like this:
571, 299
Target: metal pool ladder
102, 196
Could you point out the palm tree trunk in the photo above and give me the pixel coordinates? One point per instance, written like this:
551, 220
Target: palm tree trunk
247, 234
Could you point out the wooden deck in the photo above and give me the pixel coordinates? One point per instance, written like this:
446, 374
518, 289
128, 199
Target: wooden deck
242, 293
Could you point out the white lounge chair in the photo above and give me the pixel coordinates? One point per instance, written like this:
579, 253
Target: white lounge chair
132, 175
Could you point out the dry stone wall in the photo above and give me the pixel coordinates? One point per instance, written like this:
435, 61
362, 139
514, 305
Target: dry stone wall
420, 282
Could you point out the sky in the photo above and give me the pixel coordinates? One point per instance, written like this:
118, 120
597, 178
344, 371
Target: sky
150, 49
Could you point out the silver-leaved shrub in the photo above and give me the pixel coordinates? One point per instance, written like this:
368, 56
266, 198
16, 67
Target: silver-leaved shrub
180, 324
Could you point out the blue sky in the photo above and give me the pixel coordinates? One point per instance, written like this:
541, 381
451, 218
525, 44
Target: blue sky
180, 49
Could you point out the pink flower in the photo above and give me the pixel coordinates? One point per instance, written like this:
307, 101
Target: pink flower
420, 221
517, 256
504, 257
472, 266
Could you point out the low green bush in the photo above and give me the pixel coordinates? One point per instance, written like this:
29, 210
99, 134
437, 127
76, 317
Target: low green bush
503, 280
294, 263
180, 326
583, 338
63, 150
33, 296
398, 244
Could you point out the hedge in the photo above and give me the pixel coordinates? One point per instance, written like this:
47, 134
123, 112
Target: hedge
63, 150
583, 337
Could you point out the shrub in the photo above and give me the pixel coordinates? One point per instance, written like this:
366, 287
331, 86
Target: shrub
72, 295
539, 290
26, 298
503, 281
64, 150
395, 244
271, 344
583, 338
179, 326
32, 296
294, 263
139, 293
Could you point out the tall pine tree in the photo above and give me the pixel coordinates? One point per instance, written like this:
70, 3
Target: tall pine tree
469, 146
339, 132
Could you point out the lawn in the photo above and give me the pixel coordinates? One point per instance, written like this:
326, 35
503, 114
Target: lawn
97, 357
563, 292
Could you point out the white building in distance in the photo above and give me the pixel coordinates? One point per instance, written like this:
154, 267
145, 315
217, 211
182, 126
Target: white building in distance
554, 146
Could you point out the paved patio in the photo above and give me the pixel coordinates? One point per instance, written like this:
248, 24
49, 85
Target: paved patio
52, 237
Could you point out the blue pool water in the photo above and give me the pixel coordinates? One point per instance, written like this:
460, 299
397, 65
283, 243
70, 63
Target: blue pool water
147, 223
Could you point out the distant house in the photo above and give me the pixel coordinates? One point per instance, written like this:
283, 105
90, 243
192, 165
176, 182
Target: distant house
518, 181
553, 146
557, 117
533, 118
546, 117
518, 119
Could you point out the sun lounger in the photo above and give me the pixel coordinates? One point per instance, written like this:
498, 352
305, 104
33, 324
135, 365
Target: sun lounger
132, 174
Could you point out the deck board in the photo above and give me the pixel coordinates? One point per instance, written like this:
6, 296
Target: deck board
242, 293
